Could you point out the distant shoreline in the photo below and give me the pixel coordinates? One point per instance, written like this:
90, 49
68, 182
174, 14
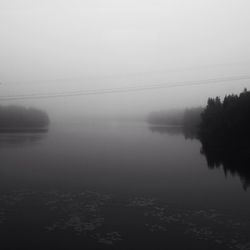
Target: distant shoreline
18, 119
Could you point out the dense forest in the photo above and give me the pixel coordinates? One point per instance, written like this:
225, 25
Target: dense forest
228, 119
222, 127
221, 123
15, 117
225, 134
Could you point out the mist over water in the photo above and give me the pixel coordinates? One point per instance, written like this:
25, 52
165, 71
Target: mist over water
60, 46
129, 156
87, 175
84, 161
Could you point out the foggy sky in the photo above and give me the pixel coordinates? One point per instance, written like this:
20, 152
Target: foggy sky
64, 45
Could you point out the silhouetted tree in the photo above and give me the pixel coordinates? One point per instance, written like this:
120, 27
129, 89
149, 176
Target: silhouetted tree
228, 120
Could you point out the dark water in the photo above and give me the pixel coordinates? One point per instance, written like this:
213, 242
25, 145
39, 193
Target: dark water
96, 185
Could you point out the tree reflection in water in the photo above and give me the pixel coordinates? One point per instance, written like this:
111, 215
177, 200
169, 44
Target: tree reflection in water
19, 139
234, 160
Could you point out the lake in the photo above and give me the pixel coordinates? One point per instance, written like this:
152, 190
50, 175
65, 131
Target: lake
119, 185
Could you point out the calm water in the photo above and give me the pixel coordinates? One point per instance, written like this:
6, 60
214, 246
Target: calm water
99, 185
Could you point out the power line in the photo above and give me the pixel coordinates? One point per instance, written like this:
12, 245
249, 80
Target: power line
125, 89
142, 73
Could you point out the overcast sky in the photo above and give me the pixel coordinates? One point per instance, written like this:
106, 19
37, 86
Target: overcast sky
64, 45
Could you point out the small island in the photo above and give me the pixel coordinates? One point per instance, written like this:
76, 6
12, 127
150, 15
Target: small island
20, 119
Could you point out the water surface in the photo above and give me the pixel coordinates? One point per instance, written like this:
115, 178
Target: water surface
113, 185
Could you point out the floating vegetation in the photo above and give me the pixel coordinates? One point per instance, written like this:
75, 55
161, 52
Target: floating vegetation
109, 238
141, 202
9, 200
245, 246
202, 233
91, 215
155, 228
79, 212
15, 197
207, 225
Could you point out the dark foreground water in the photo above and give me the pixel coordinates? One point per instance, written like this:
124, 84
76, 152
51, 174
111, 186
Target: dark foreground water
96, 185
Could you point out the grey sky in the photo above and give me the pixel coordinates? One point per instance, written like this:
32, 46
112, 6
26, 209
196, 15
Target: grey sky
57, 46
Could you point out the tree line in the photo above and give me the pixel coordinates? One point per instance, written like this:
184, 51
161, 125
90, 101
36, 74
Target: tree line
15, 117
227, 118
224, 120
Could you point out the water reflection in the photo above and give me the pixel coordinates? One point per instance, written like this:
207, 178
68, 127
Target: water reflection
20, 139
175, 130
235, 162
166, 129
